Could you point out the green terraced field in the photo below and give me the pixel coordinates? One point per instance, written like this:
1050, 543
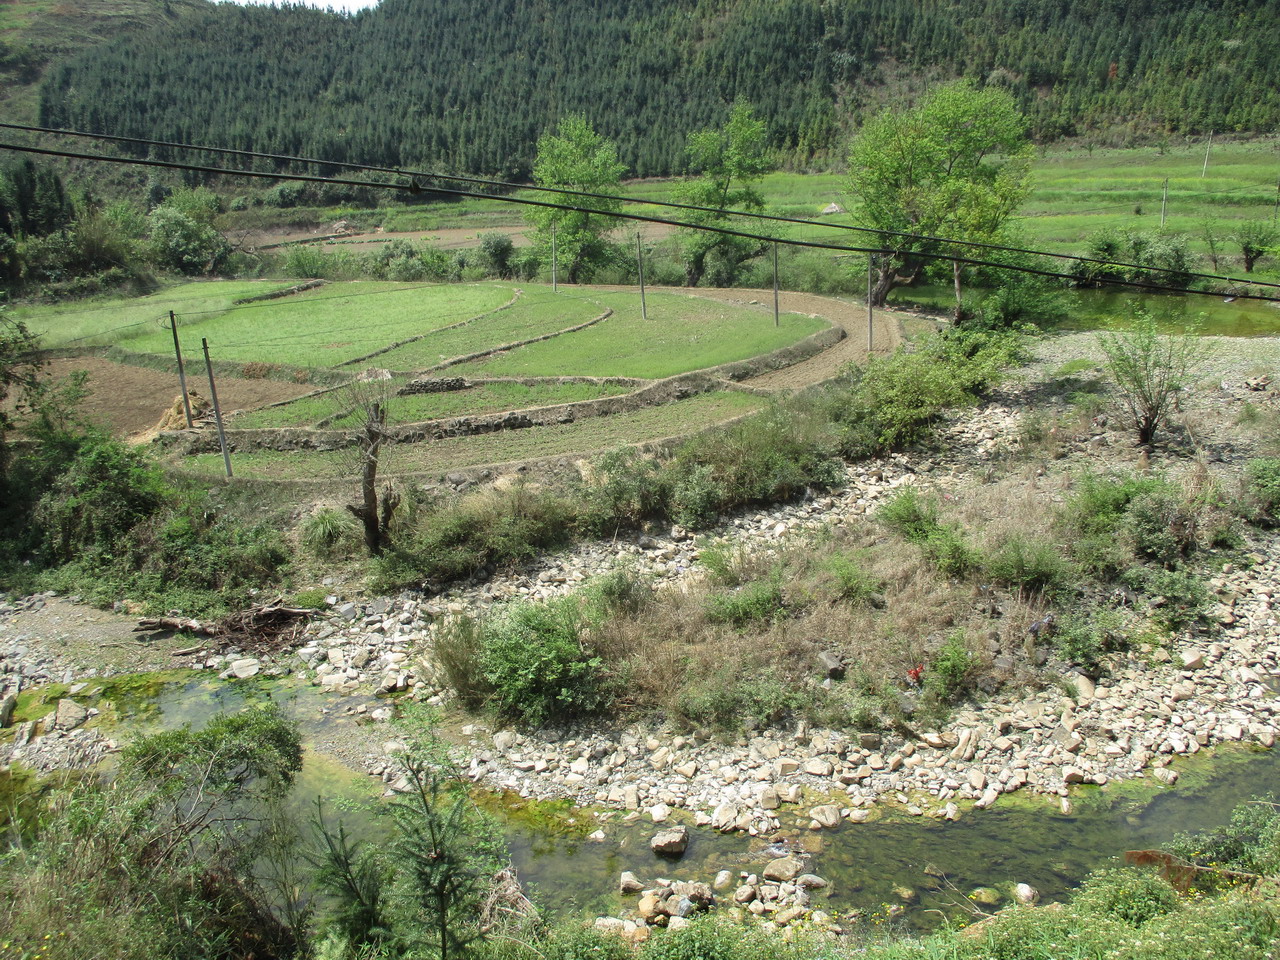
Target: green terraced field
587, 436
537, 313
682, 333
487, 398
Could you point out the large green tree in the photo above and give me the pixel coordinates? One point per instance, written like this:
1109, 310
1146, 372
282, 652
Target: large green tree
730, 161
577, 158
955, 165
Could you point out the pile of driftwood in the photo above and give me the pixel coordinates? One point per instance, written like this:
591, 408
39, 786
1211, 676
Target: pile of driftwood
263, 627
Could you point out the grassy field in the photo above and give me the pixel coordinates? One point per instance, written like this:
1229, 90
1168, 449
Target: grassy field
124, 321
454, 453
682, 333
538, 313
1075, 193
486, 398
338, 322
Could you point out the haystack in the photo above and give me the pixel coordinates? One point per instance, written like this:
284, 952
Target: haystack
175, 417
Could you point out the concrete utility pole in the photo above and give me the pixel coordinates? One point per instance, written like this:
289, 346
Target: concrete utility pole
644, 311
1207, 147
554, 286
775, 283
217, 410
871, 273
182, 374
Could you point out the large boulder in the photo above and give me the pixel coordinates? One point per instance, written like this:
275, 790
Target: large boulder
670, 843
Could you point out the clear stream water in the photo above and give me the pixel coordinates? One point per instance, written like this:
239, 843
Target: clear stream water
1021, 839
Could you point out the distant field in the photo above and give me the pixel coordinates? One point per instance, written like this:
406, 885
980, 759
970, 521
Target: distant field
598, 433
1075, 194
682, 333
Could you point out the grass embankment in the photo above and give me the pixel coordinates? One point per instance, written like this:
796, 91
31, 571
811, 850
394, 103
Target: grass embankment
486, 398
458, 453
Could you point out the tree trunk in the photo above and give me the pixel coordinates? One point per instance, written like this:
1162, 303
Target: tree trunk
367, 511
885, 281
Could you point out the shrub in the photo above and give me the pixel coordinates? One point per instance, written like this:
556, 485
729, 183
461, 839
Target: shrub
459, 649
756, 602
1149, 371
733, 695
849, 581
310, 599
1085, 637
950, 555
1249, 843
622, 488
911, 516
1262, 478
620, 592
1031, 565
1183, 597
538, 666
1131, 896
949, 672
496, 251
329, 533
107, 489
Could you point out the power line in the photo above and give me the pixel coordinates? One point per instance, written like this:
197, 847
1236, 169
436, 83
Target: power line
414, 188
508, 185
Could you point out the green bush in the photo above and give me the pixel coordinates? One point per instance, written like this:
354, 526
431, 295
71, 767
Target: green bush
1262, 479
950, 555
459, 649
911, 516
1084, 637
1250, 843
329, 533
704, 939
949, 674
732, 695
107, 489
624, 487
756, 602
849, 581
1128, 895
539, 667
1185, 595
1033, 566
313, 598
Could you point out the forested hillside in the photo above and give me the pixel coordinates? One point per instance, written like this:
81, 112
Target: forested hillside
469, 86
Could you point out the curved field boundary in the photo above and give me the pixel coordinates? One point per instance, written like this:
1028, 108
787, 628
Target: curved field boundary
277, 294
515, 297
479, 355
658, 392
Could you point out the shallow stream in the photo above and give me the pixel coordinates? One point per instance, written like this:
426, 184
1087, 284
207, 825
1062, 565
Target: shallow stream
1021, 839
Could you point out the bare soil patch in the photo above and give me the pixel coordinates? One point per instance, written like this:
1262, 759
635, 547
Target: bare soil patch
127, 400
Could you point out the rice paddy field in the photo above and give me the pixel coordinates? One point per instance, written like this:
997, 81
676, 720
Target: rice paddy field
670, 420
513, 343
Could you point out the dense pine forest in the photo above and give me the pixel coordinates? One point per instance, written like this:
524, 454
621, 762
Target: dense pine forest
465, 86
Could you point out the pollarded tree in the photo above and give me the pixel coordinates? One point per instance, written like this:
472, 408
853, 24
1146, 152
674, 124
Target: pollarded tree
1256, 238
955, 165
730, 160
577, 158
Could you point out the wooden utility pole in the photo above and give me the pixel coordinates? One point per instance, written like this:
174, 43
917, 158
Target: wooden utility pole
1164, 201
182, 374
1207, 147
775, 283
217, 411
644, 312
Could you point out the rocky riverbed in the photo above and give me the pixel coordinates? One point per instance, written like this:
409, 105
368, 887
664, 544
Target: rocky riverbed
1209, 686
